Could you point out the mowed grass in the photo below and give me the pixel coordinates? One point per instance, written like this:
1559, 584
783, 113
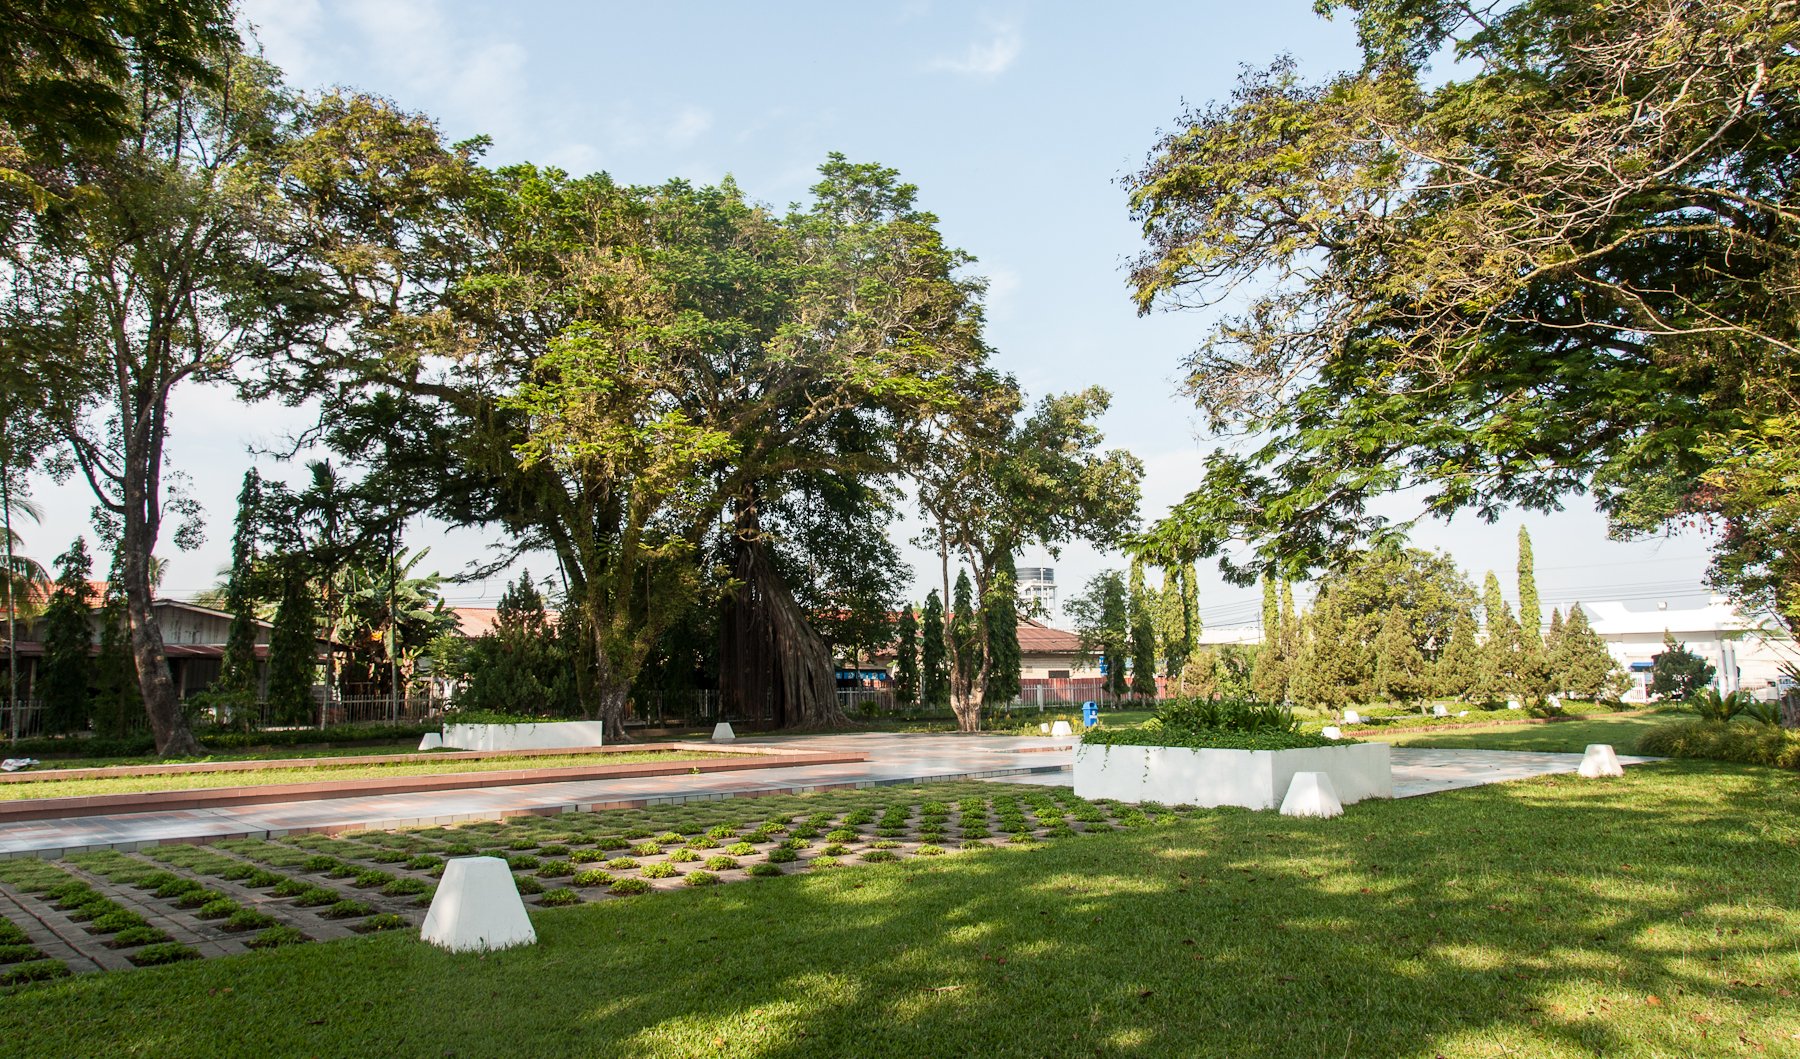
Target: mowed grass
1658, 915
325, 774
1572, 737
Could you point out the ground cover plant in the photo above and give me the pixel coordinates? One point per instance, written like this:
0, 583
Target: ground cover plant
1652, 915
1623, 731
53, 788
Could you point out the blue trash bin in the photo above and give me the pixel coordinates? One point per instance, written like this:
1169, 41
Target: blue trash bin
1090, 713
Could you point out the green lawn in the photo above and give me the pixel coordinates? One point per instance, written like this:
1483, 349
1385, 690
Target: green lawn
1653, 916
252, 754
183, 781
1566, 736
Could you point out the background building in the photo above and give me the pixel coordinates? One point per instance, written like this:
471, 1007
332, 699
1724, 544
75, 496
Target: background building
1747, 654
1037, 590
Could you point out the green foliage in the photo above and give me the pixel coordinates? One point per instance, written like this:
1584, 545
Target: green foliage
1205, 738
293, 643
629, 887
965, 637
934, 667
562, 895
1102, 616
1142, 620
66, 669
237, 669
1458, 668
1677, 673
33, 971
1451, 298
1580, 662
906, 658
165, 952
1712, 706
1718, 740
276, 937
522, 667
1000, 617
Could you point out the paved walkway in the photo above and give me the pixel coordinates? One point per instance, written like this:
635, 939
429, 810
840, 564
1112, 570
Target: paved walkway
891, 759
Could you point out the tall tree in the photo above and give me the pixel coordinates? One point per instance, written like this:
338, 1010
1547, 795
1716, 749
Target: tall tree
237, 669
1547, 269
1531, 618
117, 701
934, 667
906, 658
1500, 651
1676, 672
1401, 672
1000, 613
1143, 635
1588, 669
993, 482
181, 266
1269, 678
68, 666
1102, 617
965, 636
1458, 669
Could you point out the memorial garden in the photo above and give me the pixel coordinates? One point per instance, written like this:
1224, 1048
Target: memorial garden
752, 771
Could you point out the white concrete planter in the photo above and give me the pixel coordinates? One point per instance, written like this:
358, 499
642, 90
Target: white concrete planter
547, 735
1255, 779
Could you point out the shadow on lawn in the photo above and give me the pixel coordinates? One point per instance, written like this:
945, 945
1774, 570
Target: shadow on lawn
1538, 916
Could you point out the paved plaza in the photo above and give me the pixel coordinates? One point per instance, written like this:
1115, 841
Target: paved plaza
892, 758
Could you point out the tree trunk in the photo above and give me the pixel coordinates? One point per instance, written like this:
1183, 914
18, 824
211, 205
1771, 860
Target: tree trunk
770, 656
167, 721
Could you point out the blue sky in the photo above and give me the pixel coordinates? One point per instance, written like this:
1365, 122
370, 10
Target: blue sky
1016, 121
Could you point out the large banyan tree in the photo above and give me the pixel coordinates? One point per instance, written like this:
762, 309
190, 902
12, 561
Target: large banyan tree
630, 377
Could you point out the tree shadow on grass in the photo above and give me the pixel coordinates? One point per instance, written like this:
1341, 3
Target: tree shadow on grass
1653, 915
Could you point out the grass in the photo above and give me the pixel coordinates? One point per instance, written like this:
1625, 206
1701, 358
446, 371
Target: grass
322, 774
1654, 916
1572, 737
253, 754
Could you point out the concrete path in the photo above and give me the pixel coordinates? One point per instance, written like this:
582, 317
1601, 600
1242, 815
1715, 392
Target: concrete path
893, 758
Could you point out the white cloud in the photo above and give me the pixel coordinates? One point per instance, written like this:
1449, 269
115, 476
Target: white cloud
689, 124
478, 79
989, 58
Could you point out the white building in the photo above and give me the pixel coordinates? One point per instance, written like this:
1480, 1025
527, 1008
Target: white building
1747, 654
1037, 590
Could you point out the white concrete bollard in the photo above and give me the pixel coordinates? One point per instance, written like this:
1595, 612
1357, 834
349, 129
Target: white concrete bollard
1440, 710
1311, 794
1352, 717
722, 732
477, 908
1332, 731
1044, 728
432, 741
1061, 728
1514, 704
1600, 761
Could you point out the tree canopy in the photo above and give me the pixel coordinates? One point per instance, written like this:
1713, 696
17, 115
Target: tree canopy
1566, 264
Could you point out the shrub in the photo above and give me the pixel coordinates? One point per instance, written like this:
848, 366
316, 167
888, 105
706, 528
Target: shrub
33, 971
275, 937
1712, 706
562, 895
163, 952
1750, 744
765, 868
740, 849
594, 877
684, 855
249, 919
621, 863
721, 863
659, 871
701, 878
646, 849
628, 887
782, 856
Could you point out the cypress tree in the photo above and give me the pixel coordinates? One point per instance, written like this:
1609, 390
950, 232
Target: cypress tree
1400, 674
1190, 607
1143, 636
906, 658
117, 701
1459, 666
1327, 667
1000, 611
68, 637
1171, 628
1269, 673
934, 671
1589, 669
1531, 631
1500, 647
965, 634
237, 670
293, 645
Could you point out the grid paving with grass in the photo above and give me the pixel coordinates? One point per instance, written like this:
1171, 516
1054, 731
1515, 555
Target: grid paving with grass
111, 910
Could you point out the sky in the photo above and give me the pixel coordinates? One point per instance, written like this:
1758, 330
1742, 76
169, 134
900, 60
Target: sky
1016, 121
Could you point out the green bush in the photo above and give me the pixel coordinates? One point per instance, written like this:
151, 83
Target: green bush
877, 856
562, 895
628, 887
765, 868
721, 863
33, 971
1712, 706
782, 855
275, 937
929, 850
1749, 744
1151, 734
659, 871
527, 885
163, 952
593, 877
701, 878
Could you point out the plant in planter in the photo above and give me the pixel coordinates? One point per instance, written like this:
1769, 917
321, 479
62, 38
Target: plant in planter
1209, 752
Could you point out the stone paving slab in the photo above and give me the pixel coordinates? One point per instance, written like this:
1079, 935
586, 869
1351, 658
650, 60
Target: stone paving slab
889, 759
